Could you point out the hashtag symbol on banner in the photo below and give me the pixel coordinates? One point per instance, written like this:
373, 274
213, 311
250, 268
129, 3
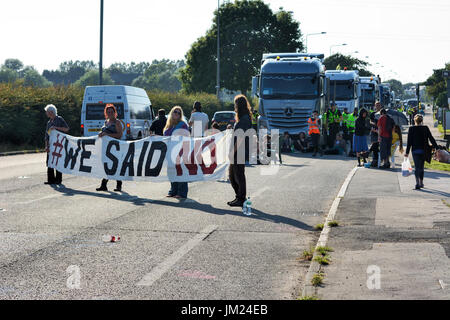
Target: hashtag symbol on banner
57, 153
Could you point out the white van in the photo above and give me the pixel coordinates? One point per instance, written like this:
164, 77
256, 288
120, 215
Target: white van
133, 106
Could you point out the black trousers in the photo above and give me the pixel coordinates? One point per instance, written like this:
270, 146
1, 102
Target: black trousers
375, 148
419, 164
237, 179
332, 132
53, 175
105, 182
315, 137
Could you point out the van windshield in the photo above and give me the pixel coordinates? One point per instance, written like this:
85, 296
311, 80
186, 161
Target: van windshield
95, 111
289, 86
341, 90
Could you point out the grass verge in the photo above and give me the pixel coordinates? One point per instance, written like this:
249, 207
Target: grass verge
436, 165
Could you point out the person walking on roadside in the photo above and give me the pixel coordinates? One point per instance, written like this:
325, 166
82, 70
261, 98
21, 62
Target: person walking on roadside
176, 126
237, 166
112, 128
375, 145
158, 125
350, 124
385, 126
314, 132
418, 137
333, 118
360, 137
397, 141
198, 121
57, 123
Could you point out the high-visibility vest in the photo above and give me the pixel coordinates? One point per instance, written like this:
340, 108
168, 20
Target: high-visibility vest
255, 117
345, 119
313, 126
333, 117
351, 122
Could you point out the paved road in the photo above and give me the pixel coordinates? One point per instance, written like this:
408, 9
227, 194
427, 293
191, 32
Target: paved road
197, 249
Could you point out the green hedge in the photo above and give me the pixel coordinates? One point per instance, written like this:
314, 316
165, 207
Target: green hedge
23, 119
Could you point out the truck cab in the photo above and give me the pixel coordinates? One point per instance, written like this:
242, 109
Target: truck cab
369, 92
344, 88
290, 87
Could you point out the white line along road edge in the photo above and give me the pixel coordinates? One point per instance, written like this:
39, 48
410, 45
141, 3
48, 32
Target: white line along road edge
165, 266
323, 239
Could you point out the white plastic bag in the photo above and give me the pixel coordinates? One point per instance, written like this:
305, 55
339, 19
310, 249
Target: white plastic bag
406, 168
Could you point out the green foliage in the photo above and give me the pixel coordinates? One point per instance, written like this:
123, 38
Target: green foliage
323, 260
13, 64
91, 78
247, 30
333, 223
8, 75
161, 75
69, 71
23, 117
396, 86
32, 77
124, 73
324, 250
317, 279
436, 86
349, 62
319, 226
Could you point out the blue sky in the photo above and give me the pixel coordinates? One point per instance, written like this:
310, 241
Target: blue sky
407, 37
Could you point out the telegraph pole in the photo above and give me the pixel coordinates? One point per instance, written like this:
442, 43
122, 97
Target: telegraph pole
100, 73
218, 50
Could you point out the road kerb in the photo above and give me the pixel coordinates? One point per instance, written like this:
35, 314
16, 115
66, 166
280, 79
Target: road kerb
308, 289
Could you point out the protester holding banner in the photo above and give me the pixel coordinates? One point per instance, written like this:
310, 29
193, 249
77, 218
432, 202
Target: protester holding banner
113, 128
237, 167
176, 126
55, 123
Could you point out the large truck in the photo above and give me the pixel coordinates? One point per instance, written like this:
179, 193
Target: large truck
290, 87
369, 92
344, 88
385, 95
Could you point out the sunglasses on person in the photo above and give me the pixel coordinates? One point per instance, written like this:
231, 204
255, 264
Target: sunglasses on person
177, 112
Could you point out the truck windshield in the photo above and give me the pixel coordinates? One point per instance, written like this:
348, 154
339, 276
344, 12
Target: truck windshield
341, 90
95, 111
289, 86
367, 93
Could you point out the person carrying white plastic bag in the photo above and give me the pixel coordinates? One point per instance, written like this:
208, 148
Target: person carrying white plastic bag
406, 167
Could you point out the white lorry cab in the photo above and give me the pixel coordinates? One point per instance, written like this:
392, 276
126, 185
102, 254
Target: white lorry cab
370, 92
133, 106
344, 88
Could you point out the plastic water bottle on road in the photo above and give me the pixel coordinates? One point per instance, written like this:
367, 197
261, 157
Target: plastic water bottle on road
247, 208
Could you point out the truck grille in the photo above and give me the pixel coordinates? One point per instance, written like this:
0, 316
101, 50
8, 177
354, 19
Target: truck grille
279, 120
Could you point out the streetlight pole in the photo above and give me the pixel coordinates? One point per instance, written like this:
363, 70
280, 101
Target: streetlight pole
311, 34
337, 45
100, 70
218, 50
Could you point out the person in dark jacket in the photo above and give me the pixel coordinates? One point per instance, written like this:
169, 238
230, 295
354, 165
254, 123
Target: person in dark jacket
158, 125
237, 166
375, 145
360, 137
57, 123
418, 137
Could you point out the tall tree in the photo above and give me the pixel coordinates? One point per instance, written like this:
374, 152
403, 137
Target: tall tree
124, 73
161, 75
13, 64
91, 78
247, 30
396, 86
349, 62
69, 71
436, 86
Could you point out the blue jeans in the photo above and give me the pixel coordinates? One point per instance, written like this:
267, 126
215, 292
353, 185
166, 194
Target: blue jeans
419, 163
179, 189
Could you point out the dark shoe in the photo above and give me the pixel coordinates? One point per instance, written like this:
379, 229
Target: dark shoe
118, 186
118, 189
50, 182
102, 188
417, 187
236, 203
230, 202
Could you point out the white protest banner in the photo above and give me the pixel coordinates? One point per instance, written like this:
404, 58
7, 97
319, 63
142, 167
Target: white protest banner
156, 158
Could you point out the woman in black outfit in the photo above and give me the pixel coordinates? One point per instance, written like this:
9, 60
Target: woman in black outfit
237, 166
418, 137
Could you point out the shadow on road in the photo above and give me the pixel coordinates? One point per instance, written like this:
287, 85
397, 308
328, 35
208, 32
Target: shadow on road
256, 214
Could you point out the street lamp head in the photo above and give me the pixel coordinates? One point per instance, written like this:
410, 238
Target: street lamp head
323, 32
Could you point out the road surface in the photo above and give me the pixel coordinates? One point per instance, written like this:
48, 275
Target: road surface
51, 237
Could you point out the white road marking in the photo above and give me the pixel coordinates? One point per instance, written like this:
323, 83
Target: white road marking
165, 266
325, 232
443, 285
